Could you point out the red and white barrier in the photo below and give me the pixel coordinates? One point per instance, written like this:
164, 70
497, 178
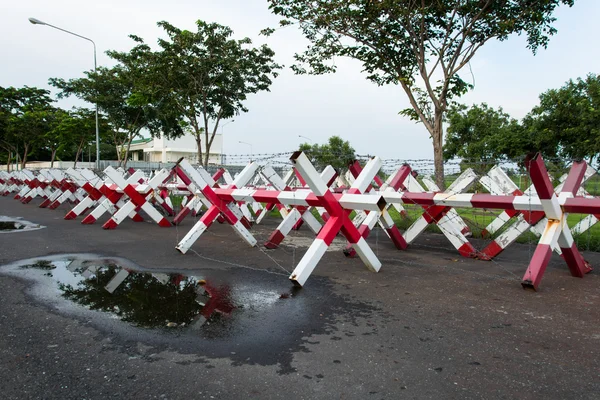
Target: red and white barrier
138, 198
202, 181
296, 214
445, 220
557, 231
112, 199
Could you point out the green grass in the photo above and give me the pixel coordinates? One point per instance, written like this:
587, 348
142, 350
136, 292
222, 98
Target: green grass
176, 200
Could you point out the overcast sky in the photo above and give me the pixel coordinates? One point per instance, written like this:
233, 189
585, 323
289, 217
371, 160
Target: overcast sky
346, 104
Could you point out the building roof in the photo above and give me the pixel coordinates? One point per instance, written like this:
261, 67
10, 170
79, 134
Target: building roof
142, 140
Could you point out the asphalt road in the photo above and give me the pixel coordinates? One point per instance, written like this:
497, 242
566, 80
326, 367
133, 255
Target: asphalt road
429, 325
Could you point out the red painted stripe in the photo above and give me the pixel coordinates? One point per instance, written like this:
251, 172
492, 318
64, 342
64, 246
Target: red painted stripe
164, 223
575, 261
537, 266
539, 177
300, 178
575, 177
492, 250
94, 193
88, 220
330, 230
333, 178
217, 175
397, 181
274, 240
137, 218
70, 215
397, 238
298, 224
467, 250
110, 224
424, 199
181, 215
134, 196
435, 213
247, 224
533, 217
501, 202
581, 205
364, 231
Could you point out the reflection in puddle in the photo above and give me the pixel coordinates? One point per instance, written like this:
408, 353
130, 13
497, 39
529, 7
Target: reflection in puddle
148, 300
249, 316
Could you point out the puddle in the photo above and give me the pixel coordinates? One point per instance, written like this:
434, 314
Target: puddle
16, 224
248, 316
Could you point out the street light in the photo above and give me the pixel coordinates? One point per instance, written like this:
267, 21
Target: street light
223, 156
249, 144
38, 22
306, 138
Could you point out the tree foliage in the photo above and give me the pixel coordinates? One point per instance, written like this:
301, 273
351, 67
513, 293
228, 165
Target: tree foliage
483, 135
203, 76
421, 45
25, 116
119, 93
569, 117
337, 152
566, 124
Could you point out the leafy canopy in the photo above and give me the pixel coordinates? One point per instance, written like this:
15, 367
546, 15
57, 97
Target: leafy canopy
203, 76
337, 152
421, 45
566, 124
570, 117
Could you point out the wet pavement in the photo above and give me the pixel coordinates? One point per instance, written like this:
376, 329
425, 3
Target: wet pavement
89, 313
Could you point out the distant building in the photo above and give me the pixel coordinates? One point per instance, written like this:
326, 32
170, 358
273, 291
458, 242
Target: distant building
170, 150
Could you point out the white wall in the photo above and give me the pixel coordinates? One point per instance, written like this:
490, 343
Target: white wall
188, 142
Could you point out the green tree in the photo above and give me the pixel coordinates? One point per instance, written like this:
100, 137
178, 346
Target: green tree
117, 90
77, 130
337, 152
28, 112
420, 45
205, 76
482, 136
8, 105
570, 117
52, 139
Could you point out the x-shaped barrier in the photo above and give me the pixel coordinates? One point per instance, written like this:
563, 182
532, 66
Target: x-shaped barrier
338, 206
555, 208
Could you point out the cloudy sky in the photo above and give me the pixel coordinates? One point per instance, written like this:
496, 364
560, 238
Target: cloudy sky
345, 104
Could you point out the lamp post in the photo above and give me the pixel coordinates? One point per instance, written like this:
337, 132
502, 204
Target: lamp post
223, 156
307, 138
249, 144
38, 22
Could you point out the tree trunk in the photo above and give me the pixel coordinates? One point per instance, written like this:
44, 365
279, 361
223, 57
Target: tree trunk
79, 148
208, 145
52, 158
129, 140
118, 154
438, 153
8, 161
199, 143
24, 160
